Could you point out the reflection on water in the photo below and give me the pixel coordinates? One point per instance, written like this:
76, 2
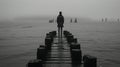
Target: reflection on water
19, 41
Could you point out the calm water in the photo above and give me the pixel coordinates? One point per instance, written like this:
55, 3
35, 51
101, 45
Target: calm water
20, 39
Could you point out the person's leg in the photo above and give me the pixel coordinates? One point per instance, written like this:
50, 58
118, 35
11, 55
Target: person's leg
58, 32
61, 32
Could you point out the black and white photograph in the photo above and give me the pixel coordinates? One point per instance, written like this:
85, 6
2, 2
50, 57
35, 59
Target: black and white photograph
59, 33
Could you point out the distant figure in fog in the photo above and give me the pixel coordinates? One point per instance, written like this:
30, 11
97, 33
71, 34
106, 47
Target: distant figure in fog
75, 20
60, 22
71, 20
102, 20
105, 19
118, 20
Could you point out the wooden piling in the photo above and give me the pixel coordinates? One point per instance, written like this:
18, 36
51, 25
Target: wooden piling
35, 63
89, 61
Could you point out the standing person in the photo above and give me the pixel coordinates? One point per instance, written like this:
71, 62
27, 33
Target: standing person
118, 20
60, 22
102, 20
71, 20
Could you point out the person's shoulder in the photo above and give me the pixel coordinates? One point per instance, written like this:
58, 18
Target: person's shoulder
58, 16
62, 16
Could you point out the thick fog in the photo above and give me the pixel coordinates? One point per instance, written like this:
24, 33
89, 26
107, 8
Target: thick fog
76, 8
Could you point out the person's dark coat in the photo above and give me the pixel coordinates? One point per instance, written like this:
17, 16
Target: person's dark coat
60, 20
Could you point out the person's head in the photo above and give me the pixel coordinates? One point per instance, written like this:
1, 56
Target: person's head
60, 13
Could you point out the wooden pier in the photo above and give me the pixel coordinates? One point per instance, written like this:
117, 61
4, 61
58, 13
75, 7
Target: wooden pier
61, 52
60, 55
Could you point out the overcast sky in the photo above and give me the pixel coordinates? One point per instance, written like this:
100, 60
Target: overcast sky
82, 8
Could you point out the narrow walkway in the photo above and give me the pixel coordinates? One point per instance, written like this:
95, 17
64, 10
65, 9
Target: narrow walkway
65, 54
59, 55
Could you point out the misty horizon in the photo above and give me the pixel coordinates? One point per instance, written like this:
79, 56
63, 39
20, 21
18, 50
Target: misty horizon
94, 9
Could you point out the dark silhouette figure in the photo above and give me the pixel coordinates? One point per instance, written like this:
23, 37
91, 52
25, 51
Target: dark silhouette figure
102, 20
60, 22
75, 20
71, 20
105, 19
118, 20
